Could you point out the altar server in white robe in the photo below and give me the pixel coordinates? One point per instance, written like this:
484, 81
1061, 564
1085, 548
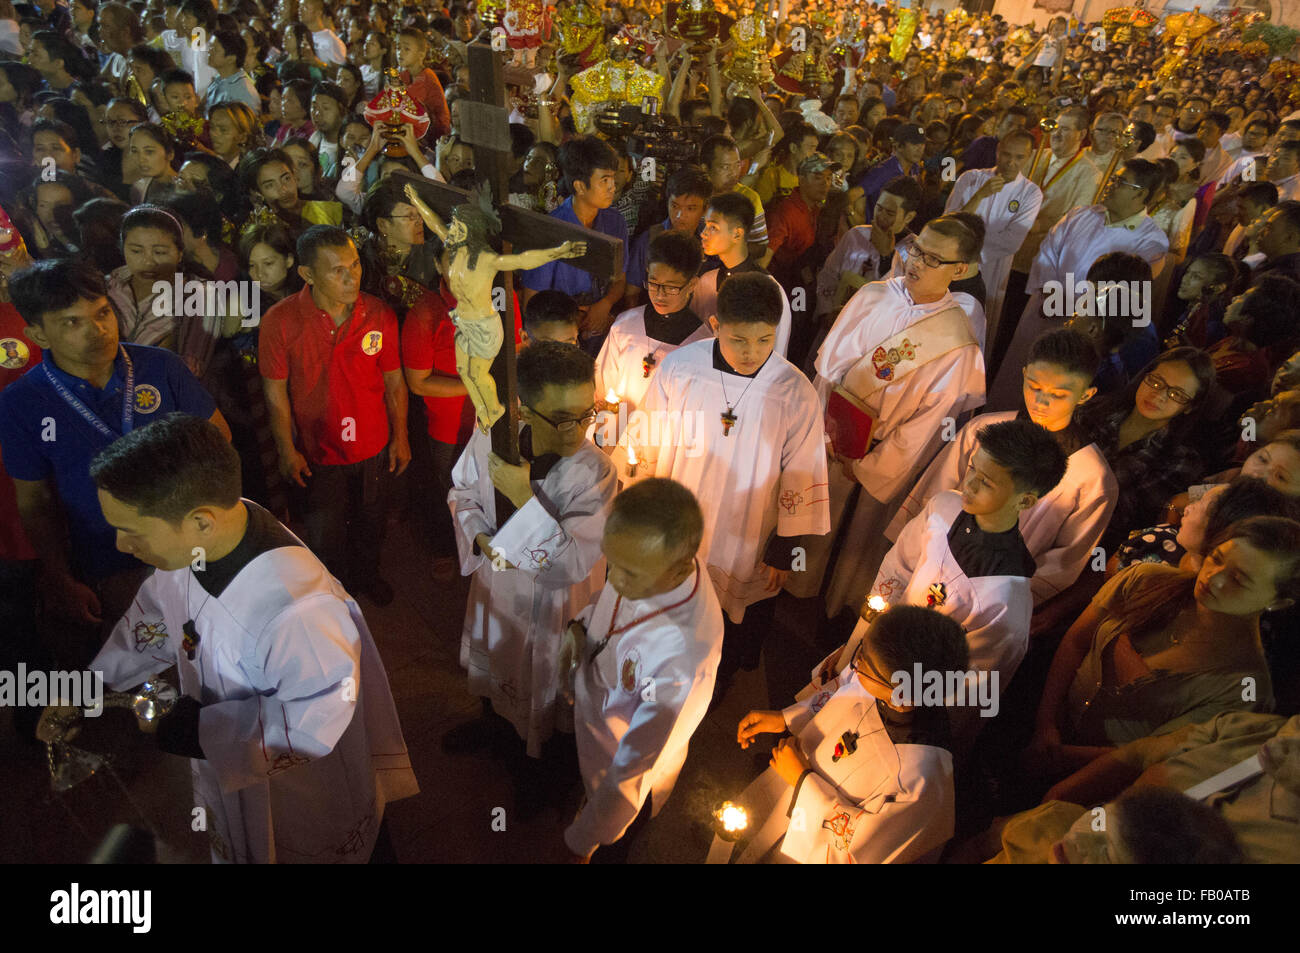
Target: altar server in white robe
904, 349
642, 658
723, 237
643, 336
1008, 203
1064, 526
865, 253
532, 570
866, 776
740, 426
285, 708
1119, 224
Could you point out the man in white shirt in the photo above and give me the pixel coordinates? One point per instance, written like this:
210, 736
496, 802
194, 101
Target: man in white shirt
328, 46
641, 658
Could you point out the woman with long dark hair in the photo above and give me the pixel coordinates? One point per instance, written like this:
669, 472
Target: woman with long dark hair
1147, 434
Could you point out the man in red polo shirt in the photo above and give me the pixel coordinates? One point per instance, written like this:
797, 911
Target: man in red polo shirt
19, 641
792, 221
332, 371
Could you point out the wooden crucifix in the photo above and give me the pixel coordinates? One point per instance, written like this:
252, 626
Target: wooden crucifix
485, 126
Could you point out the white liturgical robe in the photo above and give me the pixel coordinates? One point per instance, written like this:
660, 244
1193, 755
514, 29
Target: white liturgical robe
1007, 217
764, 473
515, 617
921, 571
622, 365
1068, 251
302, 747
1060, 530
638, 700
854, 254
884, 803
705, 303
906, 431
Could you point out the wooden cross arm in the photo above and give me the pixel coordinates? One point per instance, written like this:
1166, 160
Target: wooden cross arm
526, 230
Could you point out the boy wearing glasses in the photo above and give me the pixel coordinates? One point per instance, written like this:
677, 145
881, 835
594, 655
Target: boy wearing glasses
901, 358
535, 569
643, 336
1119, 224
861, 777
740, 427
1062, 528
727, 222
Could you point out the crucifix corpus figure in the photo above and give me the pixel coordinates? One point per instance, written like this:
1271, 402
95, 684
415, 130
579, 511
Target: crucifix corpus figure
472, 266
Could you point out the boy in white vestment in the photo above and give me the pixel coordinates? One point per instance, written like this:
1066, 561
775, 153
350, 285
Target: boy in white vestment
643, 336
1062, 528
903, 351
863, 776
535, 568
285, 708
642, 659
740, 427
727, 222
964, 556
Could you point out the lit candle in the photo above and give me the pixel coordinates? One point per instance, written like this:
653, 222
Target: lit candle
611, 401
631, 460
875, 605
730, 821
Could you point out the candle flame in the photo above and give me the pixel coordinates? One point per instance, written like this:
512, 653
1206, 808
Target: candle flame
733, 817
877, 604
611, 397
631, 455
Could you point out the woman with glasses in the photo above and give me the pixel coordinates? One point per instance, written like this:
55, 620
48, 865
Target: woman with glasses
1147, 432
1160, 648
399, 265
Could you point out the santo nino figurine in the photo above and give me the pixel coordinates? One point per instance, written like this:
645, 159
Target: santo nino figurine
472, 264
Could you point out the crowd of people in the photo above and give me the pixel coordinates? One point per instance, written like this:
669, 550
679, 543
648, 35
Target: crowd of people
976, 344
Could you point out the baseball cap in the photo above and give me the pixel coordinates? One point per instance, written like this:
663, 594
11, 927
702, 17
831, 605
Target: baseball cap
909, 133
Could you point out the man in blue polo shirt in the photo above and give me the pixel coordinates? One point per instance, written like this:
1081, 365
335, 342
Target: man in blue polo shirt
909, 150
88, 391
688, 191
589, 167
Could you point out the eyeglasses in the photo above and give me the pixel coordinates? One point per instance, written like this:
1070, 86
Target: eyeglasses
1162, 388
1131, 185
668, 291
910, 248
869, 672
568, 426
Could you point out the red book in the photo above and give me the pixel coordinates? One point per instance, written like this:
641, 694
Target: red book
848, 425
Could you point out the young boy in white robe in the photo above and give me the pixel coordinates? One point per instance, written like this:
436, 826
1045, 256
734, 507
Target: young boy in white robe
905, 351
740, 426
863, 776
963, 553
727, 222
641, 657
643, 336
534, 568
285, 709
1064, 526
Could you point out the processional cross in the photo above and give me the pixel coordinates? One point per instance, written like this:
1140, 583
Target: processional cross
485, 126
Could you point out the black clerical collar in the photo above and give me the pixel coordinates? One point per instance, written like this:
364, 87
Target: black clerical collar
538, 466
263, 534
720, 362
671, 328
981, 553
745, 266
